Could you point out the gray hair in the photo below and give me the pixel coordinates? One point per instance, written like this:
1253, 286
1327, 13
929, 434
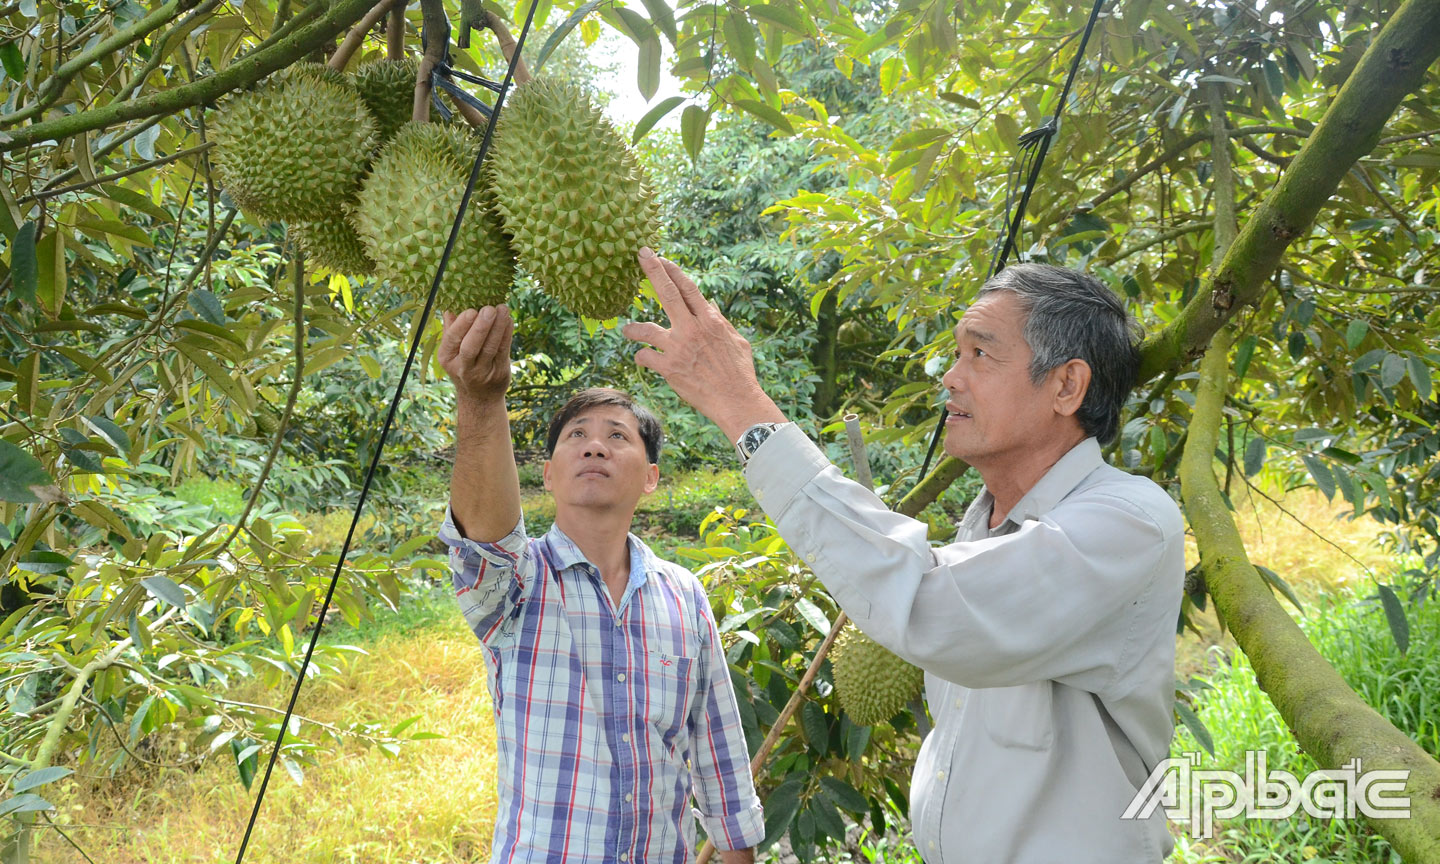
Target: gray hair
1071, 316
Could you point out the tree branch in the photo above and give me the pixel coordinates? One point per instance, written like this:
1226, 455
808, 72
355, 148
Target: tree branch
356, 37
1330, 721
340, 16
1393, 66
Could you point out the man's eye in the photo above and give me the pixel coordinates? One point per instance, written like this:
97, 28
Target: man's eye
980, 352
955, 354
620, 435
575, 433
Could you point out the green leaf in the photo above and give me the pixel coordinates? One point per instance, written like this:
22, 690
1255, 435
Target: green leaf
163, 589
293, 769
559, 34
664, 18
780, 810
1395, 616
740, 38
1355, 332
246, 760
24, 266
817, 728
36, 779
111, 432
13, 61
857, 740
38, 561
19, 474
827, 818
812, 615
1420, 376
693, 121
1324, 480
208, 306
26, 803
1254, 456
766, 113
1242, 357
1392, 369
665, 106
1197, 729
1280, 585
844, 795
648, 74
784, 17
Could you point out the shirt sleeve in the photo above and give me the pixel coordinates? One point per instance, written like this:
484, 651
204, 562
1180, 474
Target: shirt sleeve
1047, 602
720, 763
491, 580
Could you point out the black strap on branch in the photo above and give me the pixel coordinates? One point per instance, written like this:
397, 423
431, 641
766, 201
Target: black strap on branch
1034, 145
502, 92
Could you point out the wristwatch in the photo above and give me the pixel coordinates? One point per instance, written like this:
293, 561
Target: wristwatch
752, 438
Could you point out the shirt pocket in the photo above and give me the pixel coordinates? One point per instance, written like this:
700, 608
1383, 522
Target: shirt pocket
1020, 716
669, 688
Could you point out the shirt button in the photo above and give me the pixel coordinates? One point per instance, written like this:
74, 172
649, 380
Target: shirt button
629, 797
959, 703
624, 856
939, 775
620, 677
625, 737
932, 845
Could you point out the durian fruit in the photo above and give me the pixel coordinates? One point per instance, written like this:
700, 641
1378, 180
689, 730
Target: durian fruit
332, 242
574, 195
405, 210
295, 147
388, 89
873, 683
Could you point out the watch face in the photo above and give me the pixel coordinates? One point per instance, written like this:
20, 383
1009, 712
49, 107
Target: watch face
754, 437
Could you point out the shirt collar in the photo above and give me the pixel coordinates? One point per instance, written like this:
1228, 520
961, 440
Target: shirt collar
564, 554
1051, 489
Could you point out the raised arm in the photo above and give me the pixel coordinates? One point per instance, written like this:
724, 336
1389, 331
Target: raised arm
484, 487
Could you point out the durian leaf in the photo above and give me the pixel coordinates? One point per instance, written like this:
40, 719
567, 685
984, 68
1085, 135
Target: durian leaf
693, 122
648, 74
631, 23
653, 116
785, 17
20, 473
740, 38
766, 113
844, 795
559, 33
24, 266
664, 18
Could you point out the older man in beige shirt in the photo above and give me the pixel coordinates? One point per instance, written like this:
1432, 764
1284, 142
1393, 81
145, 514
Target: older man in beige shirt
1046, 629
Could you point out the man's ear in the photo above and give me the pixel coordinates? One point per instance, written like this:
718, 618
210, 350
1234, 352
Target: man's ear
652, 478
545, 473
1073, 381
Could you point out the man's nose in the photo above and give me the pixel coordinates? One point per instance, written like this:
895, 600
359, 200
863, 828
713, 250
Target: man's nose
952, 379
596, 448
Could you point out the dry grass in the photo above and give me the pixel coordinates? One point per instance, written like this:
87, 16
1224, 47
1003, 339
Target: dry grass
435, 803
1308, 541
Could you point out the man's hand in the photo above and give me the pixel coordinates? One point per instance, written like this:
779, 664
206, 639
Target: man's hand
484, 489
475, 353
702, 357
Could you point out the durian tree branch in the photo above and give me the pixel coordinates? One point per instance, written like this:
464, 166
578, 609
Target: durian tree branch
507, 45
61, 77
437, 39
1330, 721
356, 37
116, 175
932, 487
395, 34
340, 16
297, 263
1392, 67
160, 50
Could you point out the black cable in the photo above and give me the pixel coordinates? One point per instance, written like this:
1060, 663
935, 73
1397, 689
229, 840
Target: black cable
389, 419
1036, 141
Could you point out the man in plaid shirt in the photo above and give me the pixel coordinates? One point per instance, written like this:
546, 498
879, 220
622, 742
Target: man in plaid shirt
612, 698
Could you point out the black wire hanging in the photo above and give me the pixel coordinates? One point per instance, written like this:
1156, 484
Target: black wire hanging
443, 72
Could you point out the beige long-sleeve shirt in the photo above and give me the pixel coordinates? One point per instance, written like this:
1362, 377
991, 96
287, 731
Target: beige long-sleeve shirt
1048, 646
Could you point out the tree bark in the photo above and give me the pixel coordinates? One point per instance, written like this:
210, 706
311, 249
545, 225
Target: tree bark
340, 17
1392, 67
1330, 721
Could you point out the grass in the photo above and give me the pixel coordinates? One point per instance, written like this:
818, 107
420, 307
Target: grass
436, 801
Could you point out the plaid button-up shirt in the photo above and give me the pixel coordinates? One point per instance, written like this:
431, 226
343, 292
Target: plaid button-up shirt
609, 715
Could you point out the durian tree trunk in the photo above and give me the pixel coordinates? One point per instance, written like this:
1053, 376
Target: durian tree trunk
1330, 721
1391, 68
340, 16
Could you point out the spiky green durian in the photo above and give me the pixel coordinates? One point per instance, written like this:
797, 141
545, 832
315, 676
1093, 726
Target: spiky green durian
873, 683
388, 90
574, 195
332, 242
294, 148
405, 210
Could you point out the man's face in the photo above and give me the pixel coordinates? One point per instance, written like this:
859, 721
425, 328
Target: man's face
599, 461
996, 413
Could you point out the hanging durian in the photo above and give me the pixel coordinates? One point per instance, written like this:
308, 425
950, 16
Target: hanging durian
295, 147
574, 196
388, 89
872, 682
332, 242
405, 210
